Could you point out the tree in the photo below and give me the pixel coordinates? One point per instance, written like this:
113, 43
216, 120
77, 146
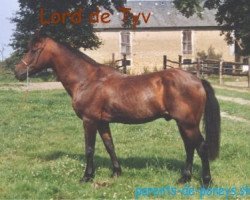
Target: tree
232, 15
28, 20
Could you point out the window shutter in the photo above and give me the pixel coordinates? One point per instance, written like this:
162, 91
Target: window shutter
125, 43
187, 42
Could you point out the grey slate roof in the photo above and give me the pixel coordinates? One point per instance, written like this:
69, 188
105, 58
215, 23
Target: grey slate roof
163, 15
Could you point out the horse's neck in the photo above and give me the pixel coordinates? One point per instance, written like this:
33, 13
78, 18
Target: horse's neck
71, 70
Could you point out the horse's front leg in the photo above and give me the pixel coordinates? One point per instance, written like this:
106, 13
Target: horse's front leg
90, 130
105, 134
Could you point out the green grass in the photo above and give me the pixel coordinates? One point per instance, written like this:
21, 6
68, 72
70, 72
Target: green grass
236, 109
226, 78
41, 152
6, 76
224, 92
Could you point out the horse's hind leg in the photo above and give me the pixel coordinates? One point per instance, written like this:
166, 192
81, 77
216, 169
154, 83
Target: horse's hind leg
189, 147
105, 134
194, 140
202, 151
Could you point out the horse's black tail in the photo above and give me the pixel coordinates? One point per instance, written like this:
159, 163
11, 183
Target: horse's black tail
212, 121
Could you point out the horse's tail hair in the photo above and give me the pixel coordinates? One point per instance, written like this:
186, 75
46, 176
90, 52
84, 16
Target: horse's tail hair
212, 121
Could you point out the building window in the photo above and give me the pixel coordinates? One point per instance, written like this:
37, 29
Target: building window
125, 43
187, 42
187, 61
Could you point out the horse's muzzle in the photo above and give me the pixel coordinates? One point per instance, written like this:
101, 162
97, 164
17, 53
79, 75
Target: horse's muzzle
20, 76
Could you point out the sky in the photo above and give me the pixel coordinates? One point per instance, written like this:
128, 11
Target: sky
7, 10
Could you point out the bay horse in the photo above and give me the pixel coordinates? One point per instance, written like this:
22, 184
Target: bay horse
102, 95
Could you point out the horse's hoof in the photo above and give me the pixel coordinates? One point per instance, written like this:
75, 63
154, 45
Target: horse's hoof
116, 174
86, 179
184, 179
206, 182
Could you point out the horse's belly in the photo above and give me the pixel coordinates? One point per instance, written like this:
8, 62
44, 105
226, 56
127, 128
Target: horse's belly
129, 120
140, 113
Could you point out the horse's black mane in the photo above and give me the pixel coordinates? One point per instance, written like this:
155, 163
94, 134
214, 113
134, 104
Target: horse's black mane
75, 51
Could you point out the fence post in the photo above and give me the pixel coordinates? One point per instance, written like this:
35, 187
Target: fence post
248, 75
198, 67
124, 64
221, 72
27, 77
202, 68
113, 59
180, 61
165, 62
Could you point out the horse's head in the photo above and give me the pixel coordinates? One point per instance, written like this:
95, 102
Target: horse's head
36, 59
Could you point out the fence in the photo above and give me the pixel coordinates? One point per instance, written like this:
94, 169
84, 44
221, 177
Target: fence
200, 67
124, 62
210, 66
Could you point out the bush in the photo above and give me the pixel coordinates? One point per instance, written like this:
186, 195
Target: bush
210, 54
8, 65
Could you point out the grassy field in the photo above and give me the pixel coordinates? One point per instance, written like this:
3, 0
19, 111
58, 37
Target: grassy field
244, 94
227, 78
7, 77
42, 152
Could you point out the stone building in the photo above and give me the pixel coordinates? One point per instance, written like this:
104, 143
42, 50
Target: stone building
167, 32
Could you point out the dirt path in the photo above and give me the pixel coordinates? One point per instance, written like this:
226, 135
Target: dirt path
234, 100
243, 90
45, 86
33, 86
234, 118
